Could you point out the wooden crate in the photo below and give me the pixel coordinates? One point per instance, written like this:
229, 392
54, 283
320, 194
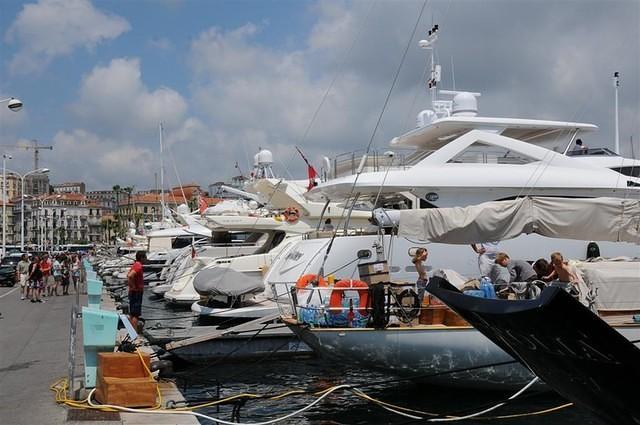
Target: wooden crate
123, 380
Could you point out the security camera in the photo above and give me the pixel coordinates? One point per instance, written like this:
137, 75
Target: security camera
15, 105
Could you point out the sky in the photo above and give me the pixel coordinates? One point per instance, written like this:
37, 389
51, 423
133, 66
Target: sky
227, 78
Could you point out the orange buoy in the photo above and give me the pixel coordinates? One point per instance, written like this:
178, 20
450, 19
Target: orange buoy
335, 301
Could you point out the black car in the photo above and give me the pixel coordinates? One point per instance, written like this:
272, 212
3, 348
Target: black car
8, 270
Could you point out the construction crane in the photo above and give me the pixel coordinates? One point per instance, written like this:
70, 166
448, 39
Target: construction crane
35, 147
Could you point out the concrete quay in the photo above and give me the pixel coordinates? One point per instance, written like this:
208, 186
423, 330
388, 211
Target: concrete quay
34, 349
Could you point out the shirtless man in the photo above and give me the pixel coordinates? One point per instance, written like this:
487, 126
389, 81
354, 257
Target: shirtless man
561, 270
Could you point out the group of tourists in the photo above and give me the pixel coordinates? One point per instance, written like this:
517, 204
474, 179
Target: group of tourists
42, 275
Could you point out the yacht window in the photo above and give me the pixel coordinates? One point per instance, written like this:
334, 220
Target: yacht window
592, 152
628, 171
480, 153
256, 238
277, 239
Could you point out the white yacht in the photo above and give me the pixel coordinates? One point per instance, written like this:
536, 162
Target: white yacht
457, 159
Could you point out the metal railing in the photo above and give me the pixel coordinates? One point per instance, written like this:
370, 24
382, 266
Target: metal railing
315, 306
347, 163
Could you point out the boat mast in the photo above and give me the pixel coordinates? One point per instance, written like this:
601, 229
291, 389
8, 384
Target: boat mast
162, 206
429, 44
616, 84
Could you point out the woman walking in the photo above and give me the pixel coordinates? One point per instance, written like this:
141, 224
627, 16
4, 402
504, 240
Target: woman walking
57, 274
35, 280
66, 274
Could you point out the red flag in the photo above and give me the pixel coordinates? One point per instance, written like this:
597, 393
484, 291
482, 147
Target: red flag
311, 172
202, 204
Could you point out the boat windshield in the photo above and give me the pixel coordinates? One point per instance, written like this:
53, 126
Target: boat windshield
592, 152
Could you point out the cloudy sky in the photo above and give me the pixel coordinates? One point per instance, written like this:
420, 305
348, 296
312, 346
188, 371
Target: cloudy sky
228, 77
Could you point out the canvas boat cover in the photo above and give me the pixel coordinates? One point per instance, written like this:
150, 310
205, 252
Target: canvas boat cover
223, 281
598, 219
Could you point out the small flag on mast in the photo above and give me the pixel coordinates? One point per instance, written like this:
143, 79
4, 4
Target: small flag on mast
202, 204
311, 172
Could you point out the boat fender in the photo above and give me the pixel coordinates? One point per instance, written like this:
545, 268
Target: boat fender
310, 278
335, 300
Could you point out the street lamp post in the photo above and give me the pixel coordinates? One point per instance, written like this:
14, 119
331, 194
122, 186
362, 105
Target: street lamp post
22, 178
4, 203
14, 105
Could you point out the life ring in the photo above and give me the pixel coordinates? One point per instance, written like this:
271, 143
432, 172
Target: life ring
335, 301
306, 279
291, 214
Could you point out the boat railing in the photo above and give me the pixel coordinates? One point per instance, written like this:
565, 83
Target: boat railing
330, 306
348, 163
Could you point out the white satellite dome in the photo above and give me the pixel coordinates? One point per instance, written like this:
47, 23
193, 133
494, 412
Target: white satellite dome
465, 105
264, 157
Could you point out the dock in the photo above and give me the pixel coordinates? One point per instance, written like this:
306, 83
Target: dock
34, 348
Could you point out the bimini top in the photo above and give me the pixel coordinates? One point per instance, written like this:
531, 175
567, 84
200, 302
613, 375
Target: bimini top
441, 131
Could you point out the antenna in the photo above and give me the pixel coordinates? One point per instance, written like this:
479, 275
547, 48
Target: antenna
429, 44
616, 84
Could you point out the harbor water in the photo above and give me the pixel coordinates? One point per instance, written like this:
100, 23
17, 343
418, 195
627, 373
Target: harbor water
272, 376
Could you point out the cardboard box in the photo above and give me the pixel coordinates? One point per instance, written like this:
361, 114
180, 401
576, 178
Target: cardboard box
123, 380
375, 272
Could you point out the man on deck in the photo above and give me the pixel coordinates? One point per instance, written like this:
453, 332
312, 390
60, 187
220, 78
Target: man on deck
136, 288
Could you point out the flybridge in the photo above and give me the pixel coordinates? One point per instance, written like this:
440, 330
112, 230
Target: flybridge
441, 131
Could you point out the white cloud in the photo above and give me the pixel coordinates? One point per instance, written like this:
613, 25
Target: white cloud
52, 28
97, 160
114, 100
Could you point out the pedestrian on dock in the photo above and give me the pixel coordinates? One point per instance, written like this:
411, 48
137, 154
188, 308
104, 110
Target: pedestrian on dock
47, 278
57, 273
75, 272
35, 280
22, 272
66, 274
136, 288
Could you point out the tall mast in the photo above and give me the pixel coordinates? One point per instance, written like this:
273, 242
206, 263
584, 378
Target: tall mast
161, 175
434, 78
616, 84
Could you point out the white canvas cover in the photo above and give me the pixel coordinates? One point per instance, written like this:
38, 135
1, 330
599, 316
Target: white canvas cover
617, 282
226, 282
598, 219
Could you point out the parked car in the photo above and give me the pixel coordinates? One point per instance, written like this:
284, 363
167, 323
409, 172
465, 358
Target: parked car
8, 269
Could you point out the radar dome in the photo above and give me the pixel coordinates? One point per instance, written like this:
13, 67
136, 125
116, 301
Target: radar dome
264, 157
465, 105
